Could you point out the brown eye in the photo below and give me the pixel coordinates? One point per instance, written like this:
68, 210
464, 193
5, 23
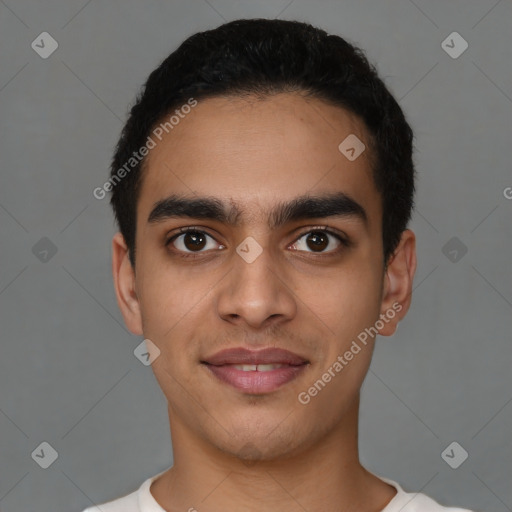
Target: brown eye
192, 241
318, 240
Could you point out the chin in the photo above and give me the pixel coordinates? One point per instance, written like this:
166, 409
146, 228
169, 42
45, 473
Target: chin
262, 441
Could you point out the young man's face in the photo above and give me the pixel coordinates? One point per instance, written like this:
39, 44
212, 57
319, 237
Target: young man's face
304, 292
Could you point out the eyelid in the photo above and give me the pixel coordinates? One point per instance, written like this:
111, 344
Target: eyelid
183, 230
340, 235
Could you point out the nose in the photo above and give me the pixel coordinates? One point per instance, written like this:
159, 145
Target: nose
257, 291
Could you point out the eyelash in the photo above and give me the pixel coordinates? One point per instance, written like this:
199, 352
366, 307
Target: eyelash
345, 242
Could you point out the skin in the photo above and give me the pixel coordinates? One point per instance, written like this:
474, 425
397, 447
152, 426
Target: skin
233, 450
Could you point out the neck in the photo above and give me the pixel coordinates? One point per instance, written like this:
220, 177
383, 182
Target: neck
326, 475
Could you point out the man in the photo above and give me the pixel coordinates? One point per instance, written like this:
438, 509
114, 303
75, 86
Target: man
263, 184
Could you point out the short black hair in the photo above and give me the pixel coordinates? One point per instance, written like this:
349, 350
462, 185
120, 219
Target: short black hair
262, 57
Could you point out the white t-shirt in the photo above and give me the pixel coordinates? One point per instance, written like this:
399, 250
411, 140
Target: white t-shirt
142, 500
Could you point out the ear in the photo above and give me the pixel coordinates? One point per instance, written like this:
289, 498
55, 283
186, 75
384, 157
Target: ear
124, 284
397, 286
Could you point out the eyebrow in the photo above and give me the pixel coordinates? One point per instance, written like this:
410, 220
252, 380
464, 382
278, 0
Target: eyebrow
300, 208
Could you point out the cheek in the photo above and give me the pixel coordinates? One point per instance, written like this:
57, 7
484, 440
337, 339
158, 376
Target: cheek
344, 307
346, 301
167, 301
169, 312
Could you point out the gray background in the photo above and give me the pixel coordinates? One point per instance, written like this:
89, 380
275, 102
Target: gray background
68, 375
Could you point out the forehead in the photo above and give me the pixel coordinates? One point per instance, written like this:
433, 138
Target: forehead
254, 153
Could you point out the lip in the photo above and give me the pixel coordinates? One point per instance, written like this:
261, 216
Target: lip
242, 355
256, 382
221, 365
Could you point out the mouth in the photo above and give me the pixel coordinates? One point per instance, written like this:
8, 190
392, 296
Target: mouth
255, 371
258, 367
256, 378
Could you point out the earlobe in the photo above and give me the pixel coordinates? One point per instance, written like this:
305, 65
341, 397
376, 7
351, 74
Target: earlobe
124, 284
398, 281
